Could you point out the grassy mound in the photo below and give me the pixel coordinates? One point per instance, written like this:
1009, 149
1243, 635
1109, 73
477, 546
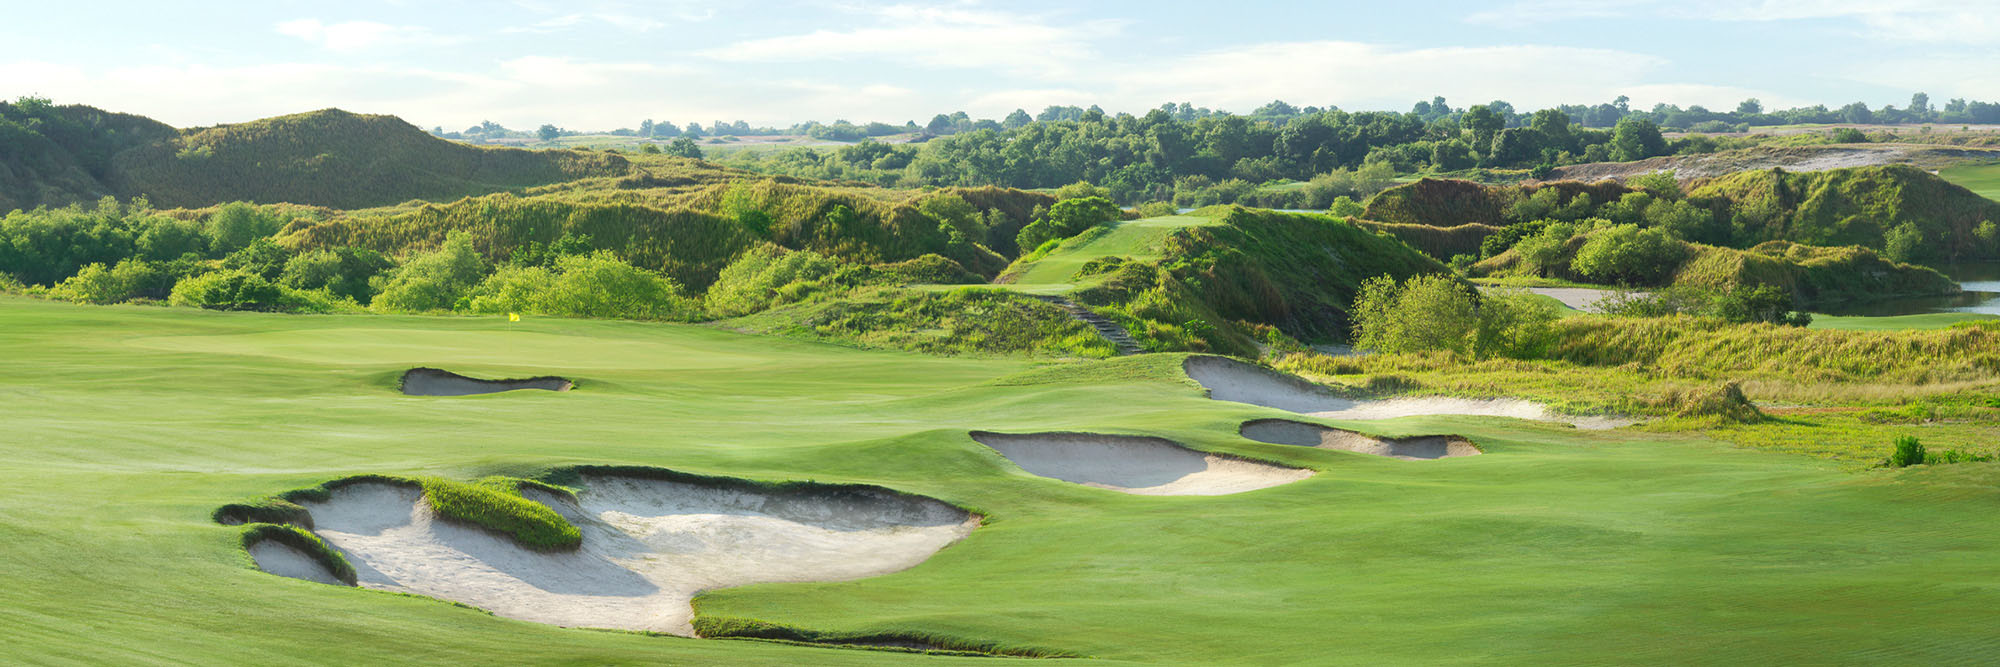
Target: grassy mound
1215, 286
339, 159
1858, 206
493, 503
1812, 275
958, 321
1441, 243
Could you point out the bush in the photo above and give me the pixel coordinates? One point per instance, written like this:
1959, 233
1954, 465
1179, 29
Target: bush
767, 276
235, 225
1628, 255
433, 281
1909, 452
237, 290
129, 279
1067, 218
1426, 313
595, 285
344, 272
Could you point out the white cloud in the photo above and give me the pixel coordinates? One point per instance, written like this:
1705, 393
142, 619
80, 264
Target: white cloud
937, 37
353, 36
1916, 21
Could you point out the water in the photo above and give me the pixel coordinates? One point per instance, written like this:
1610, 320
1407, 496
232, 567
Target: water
1981, 282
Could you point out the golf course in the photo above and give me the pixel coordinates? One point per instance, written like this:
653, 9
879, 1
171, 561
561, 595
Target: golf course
129, 426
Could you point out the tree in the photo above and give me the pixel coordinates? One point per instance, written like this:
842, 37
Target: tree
236, 224
1750, 107
1426, 313
1636, 139
939, 125
1628, 255
1067, 218
1483, 124
1016, 120
1920, 106
684, 147
548, 132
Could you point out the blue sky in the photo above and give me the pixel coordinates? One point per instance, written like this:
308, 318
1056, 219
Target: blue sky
600, 64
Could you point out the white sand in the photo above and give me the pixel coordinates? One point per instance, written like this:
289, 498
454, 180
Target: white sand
1231, 380
434, 382
1136, 465
1419, 448
648, 548
281, 559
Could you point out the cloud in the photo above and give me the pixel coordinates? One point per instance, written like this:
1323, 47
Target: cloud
935, 37
645, 17
1915, 21
353, 36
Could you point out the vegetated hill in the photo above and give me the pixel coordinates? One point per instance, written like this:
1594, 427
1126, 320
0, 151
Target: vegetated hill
1788, 158
1439, 242
338, 159
1222, 287
688, 235
1813, 275
54, 156
1450, 203
57, 155
1860, 206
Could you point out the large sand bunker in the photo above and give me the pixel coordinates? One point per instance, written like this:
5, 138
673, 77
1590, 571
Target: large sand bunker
1137, 465
438, 382
649, 546
1419, 448
1231, 380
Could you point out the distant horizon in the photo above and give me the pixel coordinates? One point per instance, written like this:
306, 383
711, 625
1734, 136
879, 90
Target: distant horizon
609, 64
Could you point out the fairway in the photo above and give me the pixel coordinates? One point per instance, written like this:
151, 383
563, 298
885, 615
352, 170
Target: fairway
127, 426
1137, 239
1982, 179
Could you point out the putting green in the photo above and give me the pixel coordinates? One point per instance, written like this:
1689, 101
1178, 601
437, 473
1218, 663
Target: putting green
126, 426
1983, 179
1137, 239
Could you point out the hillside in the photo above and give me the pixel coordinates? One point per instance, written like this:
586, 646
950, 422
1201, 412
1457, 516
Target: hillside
1813, 275
1788, 158
60, 155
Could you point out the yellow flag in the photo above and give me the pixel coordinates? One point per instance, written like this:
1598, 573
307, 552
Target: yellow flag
513, 317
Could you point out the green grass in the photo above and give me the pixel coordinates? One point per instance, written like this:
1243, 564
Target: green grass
1983, 179
1896, 322
1137, 239
127, 426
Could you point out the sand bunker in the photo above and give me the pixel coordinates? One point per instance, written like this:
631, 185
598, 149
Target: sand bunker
1136, 465
437, 382
1231, 380
649, 546
281, 559
1419, 448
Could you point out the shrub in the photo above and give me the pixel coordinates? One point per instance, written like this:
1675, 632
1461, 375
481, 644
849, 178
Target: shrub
1628, 255
1725, 403
1067, 218
235, 225
766, 276
1515, 323
344, 272
1909, 452
433, 281
1428, 312
237, 290
595, 285
127, 280
261, 257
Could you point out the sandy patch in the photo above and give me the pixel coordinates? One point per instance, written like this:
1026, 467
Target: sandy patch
1231, 380
648, 548
436, 382
281, 559
1419, 448
1137, 465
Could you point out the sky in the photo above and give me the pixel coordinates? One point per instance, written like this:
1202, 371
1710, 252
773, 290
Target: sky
605, 64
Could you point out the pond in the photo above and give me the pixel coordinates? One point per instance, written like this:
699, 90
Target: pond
1981, 282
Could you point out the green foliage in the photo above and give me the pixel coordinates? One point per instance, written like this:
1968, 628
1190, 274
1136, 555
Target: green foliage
1909, 452
1636, 139
960, 321
768, 275
235, 225
261, 257
1628, 255
1424, 313
305, 542
343, 272
237, 290
129, 279
1067, 218
1432, 313
595, 285
433, 281
496, 504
